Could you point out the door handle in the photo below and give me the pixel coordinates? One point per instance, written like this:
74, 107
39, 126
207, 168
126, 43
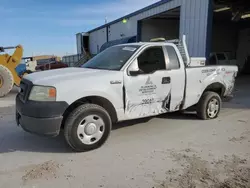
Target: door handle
166, 80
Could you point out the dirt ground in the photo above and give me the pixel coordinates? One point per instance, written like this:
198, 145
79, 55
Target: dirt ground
168, 151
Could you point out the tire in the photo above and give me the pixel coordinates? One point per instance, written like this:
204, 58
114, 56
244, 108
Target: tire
82, 122
204, 109
6, 81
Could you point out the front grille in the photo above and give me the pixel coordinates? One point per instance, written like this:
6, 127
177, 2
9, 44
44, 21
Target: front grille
25, 88
22, 88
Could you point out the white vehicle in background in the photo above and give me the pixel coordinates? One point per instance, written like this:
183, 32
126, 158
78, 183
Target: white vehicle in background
123, 82
31, 65
221, 58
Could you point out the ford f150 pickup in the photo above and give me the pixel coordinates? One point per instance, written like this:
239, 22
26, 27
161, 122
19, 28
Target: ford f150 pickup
123, 82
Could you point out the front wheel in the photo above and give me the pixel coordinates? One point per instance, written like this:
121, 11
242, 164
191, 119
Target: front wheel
87, 127
209, 106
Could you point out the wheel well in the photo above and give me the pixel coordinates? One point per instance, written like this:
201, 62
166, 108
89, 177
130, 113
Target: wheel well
217, 88
103, 102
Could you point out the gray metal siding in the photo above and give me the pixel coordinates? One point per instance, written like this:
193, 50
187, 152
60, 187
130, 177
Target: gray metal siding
133, 14
130, 28
96, 40
120, 30
194, 17
79, 43
193, 23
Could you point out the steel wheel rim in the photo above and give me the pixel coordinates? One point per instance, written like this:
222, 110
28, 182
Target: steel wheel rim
213, 108
91, 129
1, 81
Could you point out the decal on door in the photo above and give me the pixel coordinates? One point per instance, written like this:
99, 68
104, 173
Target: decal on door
150, 103
148, 89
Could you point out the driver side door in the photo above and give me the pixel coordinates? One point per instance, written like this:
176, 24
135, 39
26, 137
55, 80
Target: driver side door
148, 92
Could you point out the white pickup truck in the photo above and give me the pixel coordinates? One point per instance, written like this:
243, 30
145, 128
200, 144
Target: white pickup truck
124, 82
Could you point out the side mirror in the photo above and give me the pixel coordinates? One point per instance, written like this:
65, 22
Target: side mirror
134, 70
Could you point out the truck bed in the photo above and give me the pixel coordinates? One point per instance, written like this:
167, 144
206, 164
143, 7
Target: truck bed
199, 78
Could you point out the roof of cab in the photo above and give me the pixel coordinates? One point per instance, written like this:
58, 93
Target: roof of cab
142, 43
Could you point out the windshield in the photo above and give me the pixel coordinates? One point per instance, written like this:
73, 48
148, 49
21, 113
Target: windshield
112, 58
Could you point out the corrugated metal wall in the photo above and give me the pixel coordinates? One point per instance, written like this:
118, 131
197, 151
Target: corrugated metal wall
130, 28
96, 40
121, 30
71, 60
79, 42
193, 23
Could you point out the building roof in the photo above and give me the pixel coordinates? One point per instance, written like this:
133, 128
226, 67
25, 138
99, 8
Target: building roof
131, 14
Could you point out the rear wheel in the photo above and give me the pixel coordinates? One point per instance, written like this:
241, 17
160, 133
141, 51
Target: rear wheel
6, 81
87, 127
209, 106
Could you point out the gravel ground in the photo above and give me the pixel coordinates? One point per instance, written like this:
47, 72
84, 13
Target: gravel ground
172, 150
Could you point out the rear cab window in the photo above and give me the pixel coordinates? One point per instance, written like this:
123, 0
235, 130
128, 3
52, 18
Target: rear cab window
174, 62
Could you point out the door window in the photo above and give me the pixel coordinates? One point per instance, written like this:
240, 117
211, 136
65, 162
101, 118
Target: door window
173, 58
151, 60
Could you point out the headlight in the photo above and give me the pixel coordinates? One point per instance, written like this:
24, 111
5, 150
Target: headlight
42, 93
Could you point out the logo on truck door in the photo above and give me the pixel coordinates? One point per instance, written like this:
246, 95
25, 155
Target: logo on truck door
149, 88
148, 82
149, 101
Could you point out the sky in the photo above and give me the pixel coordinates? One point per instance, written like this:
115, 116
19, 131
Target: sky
48, 27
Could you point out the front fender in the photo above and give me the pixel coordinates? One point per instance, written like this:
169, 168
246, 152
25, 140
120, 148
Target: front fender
70, 97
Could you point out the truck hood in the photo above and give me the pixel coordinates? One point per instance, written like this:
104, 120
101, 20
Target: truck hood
68, 75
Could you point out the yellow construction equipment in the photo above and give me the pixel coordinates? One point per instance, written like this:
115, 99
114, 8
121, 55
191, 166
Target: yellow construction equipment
11, 71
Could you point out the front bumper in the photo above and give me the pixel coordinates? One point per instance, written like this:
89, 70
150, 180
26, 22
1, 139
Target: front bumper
40, 126
41, 118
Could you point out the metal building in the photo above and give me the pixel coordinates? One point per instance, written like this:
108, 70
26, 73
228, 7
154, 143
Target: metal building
209, 25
